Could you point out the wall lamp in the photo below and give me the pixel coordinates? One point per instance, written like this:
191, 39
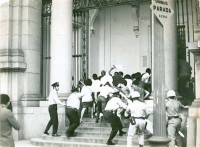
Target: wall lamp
136, 30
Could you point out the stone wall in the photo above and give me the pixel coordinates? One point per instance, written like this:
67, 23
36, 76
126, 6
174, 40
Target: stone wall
20, 54
35, 120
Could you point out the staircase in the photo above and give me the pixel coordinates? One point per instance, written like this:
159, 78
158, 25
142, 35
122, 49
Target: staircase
88, 134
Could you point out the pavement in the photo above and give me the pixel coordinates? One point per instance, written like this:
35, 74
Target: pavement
24, 143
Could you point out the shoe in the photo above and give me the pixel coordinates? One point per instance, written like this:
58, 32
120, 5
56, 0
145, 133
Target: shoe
71, 135
56, 135
122, 133
110, 143
45, 132
97, 120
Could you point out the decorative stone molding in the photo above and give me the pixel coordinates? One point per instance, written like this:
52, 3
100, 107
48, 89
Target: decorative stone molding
31, 100
12, 60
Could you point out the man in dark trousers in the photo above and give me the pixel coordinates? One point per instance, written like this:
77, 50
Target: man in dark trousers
72, 109
110, 114
53, 101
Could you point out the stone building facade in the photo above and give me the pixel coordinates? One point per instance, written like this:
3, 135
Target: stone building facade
31, 61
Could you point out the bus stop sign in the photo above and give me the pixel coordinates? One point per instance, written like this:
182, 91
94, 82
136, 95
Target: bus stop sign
162, 10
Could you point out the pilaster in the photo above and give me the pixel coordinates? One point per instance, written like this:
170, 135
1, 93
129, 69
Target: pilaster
193, 128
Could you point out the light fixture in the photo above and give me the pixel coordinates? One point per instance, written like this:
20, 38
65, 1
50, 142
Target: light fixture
136, 30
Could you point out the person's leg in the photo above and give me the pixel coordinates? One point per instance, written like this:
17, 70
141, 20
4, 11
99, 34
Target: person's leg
82, 113
98, 110
112, 135
92, 111
69, 116
55, 120
120, 126
48, 127
50, 121
109, 116
141, 128
171, 130
131, 133
116, 125
74, 121
149, 126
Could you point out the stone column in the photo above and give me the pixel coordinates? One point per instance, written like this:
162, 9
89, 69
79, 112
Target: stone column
193, 129
170, 48
159, 137
61, 45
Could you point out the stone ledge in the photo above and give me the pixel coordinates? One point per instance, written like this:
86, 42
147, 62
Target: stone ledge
31, 100
192, 45
12, 60
10, 66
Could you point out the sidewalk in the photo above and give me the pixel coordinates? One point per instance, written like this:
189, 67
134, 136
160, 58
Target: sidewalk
24, 143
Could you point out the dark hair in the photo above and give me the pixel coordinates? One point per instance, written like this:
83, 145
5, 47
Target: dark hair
94, 76
124, 82
121, 73
75, 90
133, 76
148, 70
103, 73
4, 99
116, 73
138, 76
88, 82
127, 76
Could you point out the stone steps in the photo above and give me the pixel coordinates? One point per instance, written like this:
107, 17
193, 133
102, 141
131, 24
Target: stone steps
50, 143
86, 139
95, 129
88, 134
93, 124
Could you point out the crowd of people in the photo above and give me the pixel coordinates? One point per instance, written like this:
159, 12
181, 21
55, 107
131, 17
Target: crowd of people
110, 97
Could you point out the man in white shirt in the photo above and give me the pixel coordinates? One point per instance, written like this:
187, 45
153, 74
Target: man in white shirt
139, 112
173, 108
146, 79
95, 83
107, 77
105, 90
87, 100
72, 109
110, 115
53, 101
